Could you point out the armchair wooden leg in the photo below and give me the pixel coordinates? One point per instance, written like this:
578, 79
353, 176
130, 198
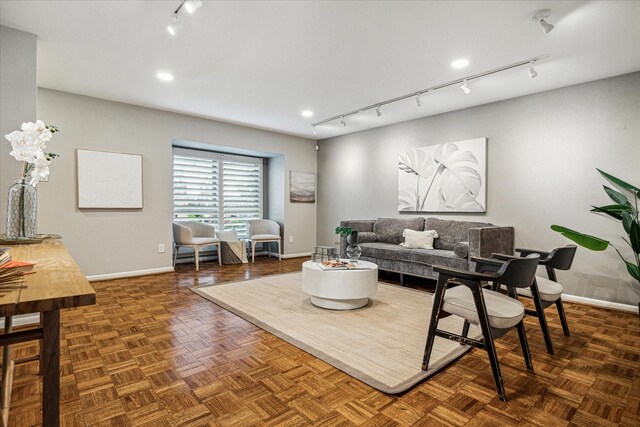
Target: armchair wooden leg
488, 340
541, 317
279, 252
253, 251
465, 328
433, 324
524, 344
563, 317
196, 253
219, 254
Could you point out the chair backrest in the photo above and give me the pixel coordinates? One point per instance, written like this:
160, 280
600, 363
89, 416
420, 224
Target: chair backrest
562, 258
262, 226
184, 231
519, 272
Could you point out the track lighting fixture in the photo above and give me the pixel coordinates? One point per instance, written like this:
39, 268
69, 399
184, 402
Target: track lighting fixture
530, 63
532, 71
174, 24
464, 88
192, 5
540, 17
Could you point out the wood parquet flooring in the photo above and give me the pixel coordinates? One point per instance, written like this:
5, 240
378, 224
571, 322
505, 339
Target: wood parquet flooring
153, 353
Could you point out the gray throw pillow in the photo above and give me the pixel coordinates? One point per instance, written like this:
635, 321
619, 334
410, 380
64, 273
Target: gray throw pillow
461, 249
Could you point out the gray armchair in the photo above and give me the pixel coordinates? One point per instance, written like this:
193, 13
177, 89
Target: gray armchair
263, 231
191, 234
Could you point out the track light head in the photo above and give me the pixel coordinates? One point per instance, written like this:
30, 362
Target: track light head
532, 71
342, 122
464, 88
174, 24
378, 112
192, 5
540, 17
418, 100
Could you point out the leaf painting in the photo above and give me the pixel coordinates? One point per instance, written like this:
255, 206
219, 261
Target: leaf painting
448, 177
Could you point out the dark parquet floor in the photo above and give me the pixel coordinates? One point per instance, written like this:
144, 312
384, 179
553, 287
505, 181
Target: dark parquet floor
153, 353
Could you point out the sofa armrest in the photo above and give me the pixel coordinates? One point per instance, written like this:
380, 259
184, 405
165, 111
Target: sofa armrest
359, 225
488, 240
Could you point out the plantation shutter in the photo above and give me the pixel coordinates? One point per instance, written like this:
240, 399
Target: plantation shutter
242, 192
196, 189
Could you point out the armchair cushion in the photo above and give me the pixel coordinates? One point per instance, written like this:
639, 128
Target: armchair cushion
548, 289
187, 232
503, 312
203, 240
265, 237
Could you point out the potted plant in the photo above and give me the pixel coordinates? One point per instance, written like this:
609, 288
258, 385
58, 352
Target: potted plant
623, 209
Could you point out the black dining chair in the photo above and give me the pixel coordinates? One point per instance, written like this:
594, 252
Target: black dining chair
460, 292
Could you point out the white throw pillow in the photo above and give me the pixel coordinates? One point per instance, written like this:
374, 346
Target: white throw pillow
228, 236
418, 239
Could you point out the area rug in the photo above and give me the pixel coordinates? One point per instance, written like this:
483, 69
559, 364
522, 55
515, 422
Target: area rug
381, 344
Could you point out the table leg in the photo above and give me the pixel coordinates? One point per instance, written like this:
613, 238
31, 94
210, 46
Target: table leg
51, 368
5, 390
41, 347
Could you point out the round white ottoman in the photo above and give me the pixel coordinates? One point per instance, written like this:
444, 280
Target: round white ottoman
340, 289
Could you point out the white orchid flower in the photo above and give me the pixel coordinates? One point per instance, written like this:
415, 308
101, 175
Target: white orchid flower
40, 170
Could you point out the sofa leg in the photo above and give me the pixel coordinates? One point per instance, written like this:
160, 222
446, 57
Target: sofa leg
401, 279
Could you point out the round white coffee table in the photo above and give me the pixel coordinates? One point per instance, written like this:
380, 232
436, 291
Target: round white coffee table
340, 289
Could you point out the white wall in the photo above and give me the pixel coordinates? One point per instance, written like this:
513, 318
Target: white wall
17, 101
542, 153
114, 241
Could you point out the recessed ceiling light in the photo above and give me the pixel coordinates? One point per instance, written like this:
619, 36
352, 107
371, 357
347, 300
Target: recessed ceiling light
460, 63
167, 77
307, 113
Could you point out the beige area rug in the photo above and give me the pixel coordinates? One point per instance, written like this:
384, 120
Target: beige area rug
381, 344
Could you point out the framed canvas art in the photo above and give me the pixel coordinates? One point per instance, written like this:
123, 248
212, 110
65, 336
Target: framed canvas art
109, 180
302, 187
449, 177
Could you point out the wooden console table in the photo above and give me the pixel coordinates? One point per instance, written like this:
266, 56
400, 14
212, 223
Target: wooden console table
57, 284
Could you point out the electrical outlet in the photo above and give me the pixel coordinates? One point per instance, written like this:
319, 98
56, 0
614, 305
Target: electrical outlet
161, 248
290, 239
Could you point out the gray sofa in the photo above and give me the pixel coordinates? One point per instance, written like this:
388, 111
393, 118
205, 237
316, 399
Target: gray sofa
458, 241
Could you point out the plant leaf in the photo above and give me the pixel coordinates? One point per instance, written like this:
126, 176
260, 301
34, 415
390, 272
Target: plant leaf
614, 211
627, 219
634, 236
585, 240
634, 270
616, 196
619, 182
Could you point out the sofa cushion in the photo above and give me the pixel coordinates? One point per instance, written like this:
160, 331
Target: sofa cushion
432, 257
451, 231
366, 237
380, 250
359, 225
389, 230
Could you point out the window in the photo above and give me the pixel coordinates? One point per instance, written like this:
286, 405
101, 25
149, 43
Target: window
223, 190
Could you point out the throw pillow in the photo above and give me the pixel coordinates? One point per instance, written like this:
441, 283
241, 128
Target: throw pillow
461, 249
418, 239
228, 236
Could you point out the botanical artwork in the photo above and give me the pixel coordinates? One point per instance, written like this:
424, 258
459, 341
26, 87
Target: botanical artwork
448, 177
302, 187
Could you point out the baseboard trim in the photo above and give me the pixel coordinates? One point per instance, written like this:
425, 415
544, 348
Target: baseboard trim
600, 303
23, 319
125, 274
295, 255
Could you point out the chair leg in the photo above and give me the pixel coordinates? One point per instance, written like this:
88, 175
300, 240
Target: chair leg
401, 279
219, 254
279, 252
542, 318
465, 329
488, 341
524, 344
175, 255
563, 317
433, 324
253, 251
269, 248
196, 253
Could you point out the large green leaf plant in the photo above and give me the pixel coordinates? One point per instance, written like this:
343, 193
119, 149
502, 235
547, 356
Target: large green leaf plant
623, 209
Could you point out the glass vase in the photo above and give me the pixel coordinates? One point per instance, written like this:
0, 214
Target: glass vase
353, 250
21, 211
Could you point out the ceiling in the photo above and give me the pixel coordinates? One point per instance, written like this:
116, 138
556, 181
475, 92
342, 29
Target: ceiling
260, 63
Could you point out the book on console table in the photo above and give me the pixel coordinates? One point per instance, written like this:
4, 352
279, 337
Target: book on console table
341, 265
